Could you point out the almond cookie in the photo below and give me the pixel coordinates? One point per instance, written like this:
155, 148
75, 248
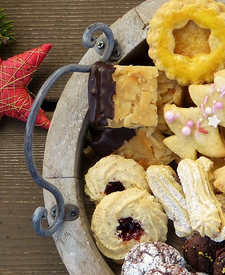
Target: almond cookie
182, 37
147, 148
148, 256
123, 219
122, 96
114, 173
166, 187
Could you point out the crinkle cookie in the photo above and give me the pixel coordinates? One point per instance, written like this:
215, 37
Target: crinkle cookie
114, 173
148, 256
167, 268
123, 219
122, 96
180, 35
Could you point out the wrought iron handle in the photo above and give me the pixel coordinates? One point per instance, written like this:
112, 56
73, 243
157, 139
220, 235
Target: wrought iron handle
89, 42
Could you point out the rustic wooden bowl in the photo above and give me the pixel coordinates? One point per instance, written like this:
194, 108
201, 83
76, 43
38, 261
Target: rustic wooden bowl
63, 164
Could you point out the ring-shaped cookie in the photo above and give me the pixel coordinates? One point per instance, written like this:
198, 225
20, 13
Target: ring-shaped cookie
200, 68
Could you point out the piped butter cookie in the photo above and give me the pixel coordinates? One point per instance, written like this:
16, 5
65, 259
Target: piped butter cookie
123, 219
114, 173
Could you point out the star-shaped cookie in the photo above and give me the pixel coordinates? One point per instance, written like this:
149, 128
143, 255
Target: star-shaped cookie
15, 75
196, 128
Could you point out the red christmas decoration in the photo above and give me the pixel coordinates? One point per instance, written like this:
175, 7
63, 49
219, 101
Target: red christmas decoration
15, 75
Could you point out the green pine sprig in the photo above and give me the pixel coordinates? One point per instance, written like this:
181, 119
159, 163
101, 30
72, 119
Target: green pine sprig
5, 29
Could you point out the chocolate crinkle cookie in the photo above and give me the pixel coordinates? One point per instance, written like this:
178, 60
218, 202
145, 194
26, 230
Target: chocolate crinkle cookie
167, 268
148, 256
200, 253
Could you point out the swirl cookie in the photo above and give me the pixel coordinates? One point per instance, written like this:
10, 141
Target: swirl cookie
114, 173
165, 186
182, 37
123, 219
122, 96
205, 212
146, 257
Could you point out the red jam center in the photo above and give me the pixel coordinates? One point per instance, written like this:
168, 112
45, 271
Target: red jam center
129, 228
114, 186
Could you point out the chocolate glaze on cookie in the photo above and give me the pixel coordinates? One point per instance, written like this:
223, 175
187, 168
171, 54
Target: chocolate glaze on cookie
101, 89
200, 252
219, 264
108, 140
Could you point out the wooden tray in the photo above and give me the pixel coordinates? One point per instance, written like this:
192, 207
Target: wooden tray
63, 164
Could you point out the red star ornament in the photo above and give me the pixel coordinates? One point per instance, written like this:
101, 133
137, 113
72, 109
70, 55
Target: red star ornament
15, 75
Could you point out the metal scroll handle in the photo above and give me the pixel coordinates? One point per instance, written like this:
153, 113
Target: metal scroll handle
108, 49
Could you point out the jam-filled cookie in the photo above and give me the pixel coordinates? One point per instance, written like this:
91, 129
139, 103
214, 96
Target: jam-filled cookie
123, 219
114, 173
180, 35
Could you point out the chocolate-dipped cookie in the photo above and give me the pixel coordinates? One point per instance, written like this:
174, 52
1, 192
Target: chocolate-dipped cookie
200, 252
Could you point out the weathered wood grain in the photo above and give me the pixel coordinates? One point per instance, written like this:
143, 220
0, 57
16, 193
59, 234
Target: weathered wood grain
64, 141
36, 22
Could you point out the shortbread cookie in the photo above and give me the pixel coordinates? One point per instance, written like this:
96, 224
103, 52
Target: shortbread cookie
200, 252
147, 148
166, 187
219, 182
169, 92
122, 96
148, 256
196, 129
123, 219
182, 37
114, 173
205, 213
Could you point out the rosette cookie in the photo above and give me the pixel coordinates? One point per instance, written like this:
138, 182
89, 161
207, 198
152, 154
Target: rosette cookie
165, 186
123, 219
114, 173
144, 258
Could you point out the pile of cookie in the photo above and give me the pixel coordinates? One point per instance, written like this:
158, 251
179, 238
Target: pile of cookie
158, 132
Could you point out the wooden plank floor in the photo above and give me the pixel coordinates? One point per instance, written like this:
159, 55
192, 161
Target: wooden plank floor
36, 22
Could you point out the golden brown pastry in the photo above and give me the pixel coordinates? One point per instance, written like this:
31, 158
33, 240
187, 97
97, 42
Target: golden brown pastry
180, 35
